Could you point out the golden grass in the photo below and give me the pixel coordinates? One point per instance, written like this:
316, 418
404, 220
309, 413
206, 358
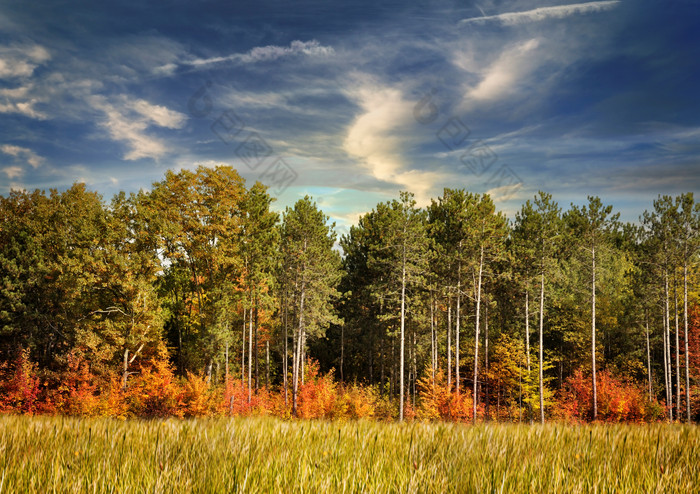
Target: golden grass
55, 454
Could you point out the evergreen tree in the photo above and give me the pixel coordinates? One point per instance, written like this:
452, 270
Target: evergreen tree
311, 272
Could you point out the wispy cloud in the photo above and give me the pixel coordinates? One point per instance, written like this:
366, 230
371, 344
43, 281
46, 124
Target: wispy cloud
262, 54
500, 78
20, 61
22, 154
378, 137
128, 121
13, 172
543, 13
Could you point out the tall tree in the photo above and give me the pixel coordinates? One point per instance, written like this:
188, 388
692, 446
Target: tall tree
402, 255
592, 226
199, 224
660, 225
311, 270
689, 222
259, 242
450, 220
490, 231
539, 222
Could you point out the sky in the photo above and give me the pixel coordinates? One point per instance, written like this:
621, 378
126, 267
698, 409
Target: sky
352, 102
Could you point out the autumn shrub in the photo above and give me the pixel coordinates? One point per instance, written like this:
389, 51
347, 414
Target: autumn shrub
78, 388
20, 390
154, 391
113, 401
437, 401
358, 401
618, 400
197, 399
318, 396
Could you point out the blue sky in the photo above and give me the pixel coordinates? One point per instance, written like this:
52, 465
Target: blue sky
351, 102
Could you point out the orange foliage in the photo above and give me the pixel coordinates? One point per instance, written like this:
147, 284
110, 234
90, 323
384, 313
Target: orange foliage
154, 392
439, 402
318, 396
618, 401
78, 388
20, 392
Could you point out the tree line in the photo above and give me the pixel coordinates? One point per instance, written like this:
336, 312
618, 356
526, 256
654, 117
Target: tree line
519, 316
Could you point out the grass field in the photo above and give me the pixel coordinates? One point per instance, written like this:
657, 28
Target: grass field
54, 454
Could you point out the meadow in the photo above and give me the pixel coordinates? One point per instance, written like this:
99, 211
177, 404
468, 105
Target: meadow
265, 454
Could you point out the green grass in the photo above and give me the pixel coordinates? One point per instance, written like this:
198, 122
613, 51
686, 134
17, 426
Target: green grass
54, 454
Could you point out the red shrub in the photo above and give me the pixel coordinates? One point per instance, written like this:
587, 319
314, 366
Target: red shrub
77, 389
20, 393
618, 400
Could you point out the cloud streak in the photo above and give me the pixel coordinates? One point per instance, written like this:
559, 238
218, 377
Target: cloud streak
543, 13
262, 54
20, 153
128, 122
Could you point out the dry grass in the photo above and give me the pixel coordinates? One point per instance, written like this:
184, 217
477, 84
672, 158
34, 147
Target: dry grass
54, 454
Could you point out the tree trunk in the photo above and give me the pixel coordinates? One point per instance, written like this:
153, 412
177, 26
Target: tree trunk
403, 327
685, 335
595, 387
125, 374
486, 356
646, 319
527, 325
679, 413
476, 339
267, 364
342, 351
432, 340
298, 351
226, 368
449, 343
285, 358
255, 345
669, 389
541, 346
245, 313
250, 355
457, 326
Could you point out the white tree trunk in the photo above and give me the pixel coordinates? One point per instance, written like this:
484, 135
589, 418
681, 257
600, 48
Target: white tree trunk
595, 387
476, 339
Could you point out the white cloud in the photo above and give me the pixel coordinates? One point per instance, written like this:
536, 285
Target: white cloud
264, 53
20, 153
20, 61
503, 75
127, 121
13, 172
542, 13
378, 137
159, 115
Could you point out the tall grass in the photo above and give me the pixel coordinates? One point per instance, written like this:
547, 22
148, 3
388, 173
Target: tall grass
54, 454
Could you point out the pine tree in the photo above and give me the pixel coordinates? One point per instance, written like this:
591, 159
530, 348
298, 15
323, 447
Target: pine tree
539, 223
592, 225
402, 257
311, 270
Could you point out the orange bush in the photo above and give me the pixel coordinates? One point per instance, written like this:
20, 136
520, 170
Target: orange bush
77, 393
358, 401
20, 392
439, 402
618, 400
318, 396
154, 392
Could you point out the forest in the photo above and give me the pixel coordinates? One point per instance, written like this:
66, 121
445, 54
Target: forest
196, 298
